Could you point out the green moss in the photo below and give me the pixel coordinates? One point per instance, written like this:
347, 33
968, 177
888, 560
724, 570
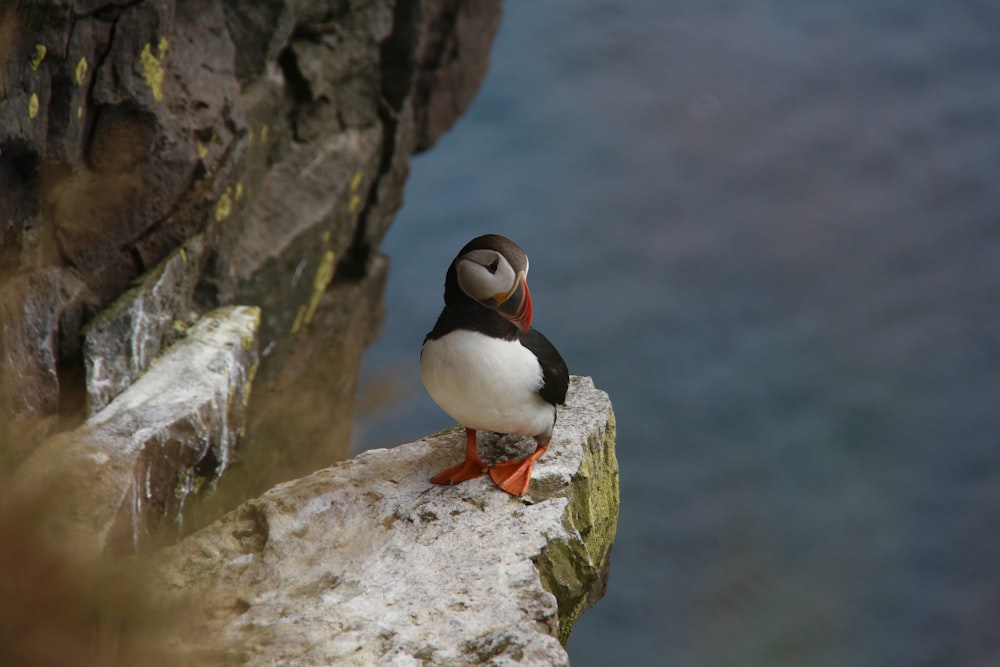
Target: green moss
574, 571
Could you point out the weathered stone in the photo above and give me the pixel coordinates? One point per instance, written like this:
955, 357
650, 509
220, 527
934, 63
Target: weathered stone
122, 341
296, 242
30, 346
319, 377
455, 55
218, 153
279, 131
299, 419
367, 563
256, 153
120, 481
40, 315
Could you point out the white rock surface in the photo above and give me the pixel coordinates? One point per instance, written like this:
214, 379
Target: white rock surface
122, 341
124, 475
367, 563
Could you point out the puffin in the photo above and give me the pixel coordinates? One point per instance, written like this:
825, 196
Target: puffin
485, 366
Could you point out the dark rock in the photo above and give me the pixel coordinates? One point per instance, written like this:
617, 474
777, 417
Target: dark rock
269, 139
41, 314
453, 61
299, 419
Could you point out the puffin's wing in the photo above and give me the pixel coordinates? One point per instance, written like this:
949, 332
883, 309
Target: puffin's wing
555, 375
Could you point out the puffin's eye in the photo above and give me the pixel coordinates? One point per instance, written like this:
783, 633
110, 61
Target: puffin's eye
493, 266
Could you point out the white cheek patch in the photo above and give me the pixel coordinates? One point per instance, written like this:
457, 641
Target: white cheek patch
475, 278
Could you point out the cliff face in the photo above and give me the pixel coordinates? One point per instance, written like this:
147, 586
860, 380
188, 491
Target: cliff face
192, 195
160, 159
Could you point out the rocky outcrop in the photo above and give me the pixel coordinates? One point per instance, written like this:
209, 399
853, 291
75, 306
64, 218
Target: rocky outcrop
367, 563
120, 482
159, 160
122, 341
192, 195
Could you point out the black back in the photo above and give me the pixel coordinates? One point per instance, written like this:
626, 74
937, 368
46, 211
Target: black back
555, 375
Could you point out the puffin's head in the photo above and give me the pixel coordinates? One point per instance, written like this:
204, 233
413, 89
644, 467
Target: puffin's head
492, 270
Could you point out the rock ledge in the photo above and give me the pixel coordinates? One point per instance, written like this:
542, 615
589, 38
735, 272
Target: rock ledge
366, 563
119, 482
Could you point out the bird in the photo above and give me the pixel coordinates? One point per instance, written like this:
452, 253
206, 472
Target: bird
485, 366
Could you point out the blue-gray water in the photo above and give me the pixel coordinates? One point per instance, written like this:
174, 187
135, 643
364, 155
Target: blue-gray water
771, 231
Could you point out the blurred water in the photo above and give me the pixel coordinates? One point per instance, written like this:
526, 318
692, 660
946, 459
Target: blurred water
771, 231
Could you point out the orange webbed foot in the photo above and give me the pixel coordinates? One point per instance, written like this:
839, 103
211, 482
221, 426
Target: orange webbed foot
464, 471
514, 477
471, 468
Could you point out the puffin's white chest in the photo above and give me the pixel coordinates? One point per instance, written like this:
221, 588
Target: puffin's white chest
486, 383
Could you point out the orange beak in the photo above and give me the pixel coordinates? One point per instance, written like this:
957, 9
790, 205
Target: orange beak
515, 306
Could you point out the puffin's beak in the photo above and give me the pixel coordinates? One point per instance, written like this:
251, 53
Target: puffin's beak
515, 306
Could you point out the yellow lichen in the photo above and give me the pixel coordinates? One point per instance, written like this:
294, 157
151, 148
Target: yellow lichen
248, 385
40, 52
239, 190
324, 274
152, 67
353, 204
224, 206
297, 324
356, 180
202, 150
79, 112
255, 311
81, 71
33, 106
263, 133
